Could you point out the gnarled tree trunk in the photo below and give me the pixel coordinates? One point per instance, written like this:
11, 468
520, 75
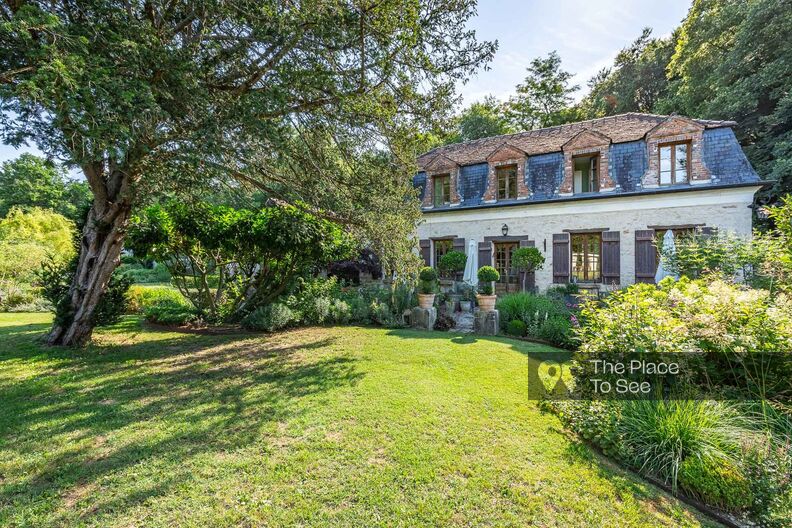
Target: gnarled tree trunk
100, 250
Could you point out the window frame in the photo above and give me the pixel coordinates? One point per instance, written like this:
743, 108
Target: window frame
447, 243
446, 186
596, 156
507, 275
673, 144
508, 189
586, 271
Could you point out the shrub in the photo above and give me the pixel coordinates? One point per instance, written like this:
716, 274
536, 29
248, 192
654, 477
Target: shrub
444, 323
452, 262
340, 312
381, 314
516, 327
427, 280
557, 330
486, 276
140, 297
140, 275
721, 484
169, 312
544, 317
660, 435
769, 472
596, 421
527, 259
269, 318
312, 299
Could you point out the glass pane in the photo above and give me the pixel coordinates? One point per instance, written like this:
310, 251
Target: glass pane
501, 186
512, 183
446, 189
438, 191
681, 162
665, 177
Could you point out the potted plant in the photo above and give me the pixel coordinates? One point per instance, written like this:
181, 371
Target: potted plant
427, 287
468, 297
487, 275
452, 263
527, 260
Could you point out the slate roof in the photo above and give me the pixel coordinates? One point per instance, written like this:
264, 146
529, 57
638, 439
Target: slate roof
620, 128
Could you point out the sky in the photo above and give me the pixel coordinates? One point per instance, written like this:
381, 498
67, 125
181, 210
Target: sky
586, 34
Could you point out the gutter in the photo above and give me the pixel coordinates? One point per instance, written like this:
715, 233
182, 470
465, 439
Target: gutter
760, 184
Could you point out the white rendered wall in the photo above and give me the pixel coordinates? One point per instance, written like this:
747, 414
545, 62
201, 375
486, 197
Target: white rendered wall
726, 209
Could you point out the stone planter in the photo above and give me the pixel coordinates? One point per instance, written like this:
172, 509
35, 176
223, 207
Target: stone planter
486, 302
449, 307
466, 306
426, 300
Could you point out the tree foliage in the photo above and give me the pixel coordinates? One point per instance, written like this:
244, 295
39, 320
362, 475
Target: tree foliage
480, 120
30, 181
228, 261
287, 97
545, 97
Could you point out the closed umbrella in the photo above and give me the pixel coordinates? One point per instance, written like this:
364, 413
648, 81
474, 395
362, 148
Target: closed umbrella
471, 265
669, 247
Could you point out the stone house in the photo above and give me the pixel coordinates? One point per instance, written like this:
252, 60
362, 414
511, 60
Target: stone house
591, 196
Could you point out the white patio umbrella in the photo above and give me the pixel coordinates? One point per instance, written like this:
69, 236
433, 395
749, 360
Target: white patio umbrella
471, 265
668, 246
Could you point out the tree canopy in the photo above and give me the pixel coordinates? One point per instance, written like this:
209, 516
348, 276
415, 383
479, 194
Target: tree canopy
479, 120
30, 181
317, 102
545, 96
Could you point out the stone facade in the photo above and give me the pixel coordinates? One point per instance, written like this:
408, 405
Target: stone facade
726, 209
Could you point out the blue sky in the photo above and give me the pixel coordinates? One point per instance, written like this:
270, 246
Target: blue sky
587, 35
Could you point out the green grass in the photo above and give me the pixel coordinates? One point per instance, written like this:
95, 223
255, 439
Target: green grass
313, 427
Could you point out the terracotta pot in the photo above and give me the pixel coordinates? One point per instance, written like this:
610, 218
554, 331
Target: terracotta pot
426, 300
486, 302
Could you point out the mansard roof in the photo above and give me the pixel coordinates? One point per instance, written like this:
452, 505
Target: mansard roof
619, 128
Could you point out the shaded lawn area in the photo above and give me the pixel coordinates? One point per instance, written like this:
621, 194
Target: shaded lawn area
316, 427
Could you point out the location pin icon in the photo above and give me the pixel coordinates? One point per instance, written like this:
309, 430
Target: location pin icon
549, 373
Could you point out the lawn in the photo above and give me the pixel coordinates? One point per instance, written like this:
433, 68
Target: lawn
314, 427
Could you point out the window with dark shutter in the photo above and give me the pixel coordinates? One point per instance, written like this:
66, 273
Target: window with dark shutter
485, 254
561, 258
645, 256
425, 249
611, 257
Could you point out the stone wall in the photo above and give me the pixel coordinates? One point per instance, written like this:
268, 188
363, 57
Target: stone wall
726, 209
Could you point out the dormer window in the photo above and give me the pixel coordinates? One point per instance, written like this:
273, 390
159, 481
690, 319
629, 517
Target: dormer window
507, 182
442, 189
586, 175
674, 166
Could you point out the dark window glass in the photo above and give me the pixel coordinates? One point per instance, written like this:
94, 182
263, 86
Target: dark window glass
674, 165
503, 262
441, 247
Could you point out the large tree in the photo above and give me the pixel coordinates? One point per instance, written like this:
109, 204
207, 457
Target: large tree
545, 96
482, 119
286, 96
635, 83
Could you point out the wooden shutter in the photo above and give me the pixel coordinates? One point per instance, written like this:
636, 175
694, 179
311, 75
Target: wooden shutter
459, 244
485, 254
530, 278
645, 256
611, 257
425, 247
561, 258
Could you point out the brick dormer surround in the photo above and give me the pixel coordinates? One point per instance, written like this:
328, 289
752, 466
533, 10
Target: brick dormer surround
438, 166
505, 155
583, 143
675, 129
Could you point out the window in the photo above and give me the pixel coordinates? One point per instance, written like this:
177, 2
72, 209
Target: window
503, 262
441, 247
507, 182
674, 166
442, 190
586, 178
586, 262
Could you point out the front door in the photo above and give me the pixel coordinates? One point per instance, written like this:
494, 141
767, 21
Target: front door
503, 263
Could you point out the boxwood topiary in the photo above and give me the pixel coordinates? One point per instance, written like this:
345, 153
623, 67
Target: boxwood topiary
516, 328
